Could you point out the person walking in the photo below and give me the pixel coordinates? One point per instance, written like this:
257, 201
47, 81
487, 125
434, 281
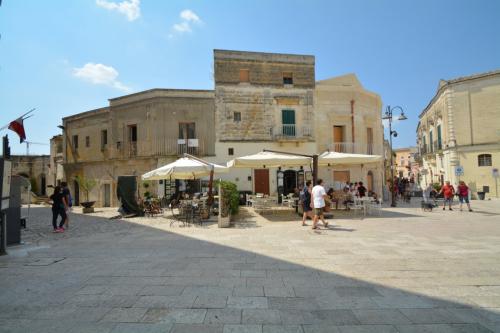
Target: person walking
68, 200
361, 190
448, 192
58, 208
426, 193
463, 194
318, 203
305, 196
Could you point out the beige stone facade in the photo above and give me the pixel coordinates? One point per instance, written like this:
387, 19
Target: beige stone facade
135, 134
406, 162
460, 129
260, 101
348, 119
36, 168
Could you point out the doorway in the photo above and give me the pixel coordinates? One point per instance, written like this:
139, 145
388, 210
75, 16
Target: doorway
261, 181
338, 139
76, 193
107, 195
369, 181
43, 185
289, 181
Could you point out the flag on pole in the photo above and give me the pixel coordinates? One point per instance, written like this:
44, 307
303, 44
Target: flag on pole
18, 127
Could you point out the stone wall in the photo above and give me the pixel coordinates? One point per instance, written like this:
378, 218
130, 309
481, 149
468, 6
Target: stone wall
35, 168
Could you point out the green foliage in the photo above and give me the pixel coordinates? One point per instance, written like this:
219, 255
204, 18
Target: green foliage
86, 185
437, 186
229, 197
147, 195
146, 184
34, 185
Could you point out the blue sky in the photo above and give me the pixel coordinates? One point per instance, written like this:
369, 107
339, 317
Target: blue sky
65, 57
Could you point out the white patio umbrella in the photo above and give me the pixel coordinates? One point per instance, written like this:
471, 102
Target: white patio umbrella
184, 168
333, 158
269, 160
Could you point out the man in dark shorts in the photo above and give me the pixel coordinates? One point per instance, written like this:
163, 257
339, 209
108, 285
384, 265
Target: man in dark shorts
305, 196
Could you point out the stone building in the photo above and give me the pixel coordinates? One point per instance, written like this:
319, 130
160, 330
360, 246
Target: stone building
56, 173
36, 168
459, 132
348, 119
260, 101
135, 134
264, 101
405, 162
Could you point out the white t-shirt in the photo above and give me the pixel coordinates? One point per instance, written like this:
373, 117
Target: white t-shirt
318, 192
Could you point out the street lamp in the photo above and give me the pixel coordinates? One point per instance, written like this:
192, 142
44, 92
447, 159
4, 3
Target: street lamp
388, 116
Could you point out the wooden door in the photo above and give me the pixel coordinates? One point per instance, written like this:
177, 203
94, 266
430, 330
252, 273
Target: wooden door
342, 176
338, 138
261, 181
369, 181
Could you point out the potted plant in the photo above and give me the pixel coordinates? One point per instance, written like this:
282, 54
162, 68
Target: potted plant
86, 185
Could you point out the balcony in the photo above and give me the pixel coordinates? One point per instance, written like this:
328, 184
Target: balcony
356, 148
292, 133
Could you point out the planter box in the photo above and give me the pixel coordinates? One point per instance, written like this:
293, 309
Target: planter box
224, 222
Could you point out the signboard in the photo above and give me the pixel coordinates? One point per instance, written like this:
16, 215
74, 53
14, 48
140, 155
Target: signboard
192, 142
494, 173
459, 170
5, 184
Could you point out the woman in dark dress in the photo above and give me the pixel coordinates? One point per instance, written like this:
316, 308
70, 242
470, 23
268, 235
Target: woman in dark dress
58, 208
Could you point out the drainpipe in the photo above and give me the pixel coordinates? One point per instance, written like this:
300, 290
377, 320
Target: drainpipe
452, 141
352, 120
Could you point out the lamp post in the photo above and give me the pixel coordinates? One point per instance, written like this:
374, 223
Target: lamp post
388, 116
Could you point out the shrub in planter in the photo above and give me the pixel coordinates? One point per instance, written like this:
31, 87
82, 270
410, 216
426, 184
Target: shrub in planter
86, 185
230, 198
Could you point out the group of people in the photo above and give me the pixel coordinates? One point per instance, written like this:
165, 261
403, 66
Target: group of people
448, 192
403, 188
61, 204
316, 200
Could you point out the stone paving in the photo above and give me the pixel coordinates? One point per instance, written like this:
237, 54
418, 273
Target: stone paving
404, 271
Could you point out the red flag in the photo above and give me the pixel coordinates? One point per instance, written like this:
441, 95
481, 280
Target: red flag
18, 127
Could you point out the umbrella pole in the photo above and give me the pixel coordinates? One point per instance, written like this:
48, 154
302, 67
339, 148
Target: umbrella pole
210, 185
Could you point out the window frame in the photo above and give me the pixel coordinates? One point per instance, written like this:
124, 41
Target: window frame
237, 116
484, 160
74, 141
247, 74
230, 151
287, 78
87, 141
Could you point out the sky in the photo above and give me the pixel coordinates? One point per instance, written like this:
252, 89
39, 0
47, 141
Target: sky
66, 57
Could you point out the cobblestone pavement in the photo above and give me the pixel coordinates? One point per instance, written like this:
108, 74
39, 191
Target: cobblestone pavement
403, 271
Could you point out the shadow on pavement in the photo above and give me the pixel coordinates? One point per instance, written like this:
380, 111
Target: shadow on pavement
118, 275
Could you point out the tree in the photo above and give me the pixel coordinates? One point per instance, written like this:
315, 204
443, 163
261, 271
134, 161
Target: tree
86, 185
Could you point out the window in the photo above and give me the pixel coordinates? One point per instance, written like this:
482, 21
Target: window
87, 141
187, 131
439, 145
287, 78
237, 116
75, 141
230, 151
288, 121
431, 142
244, 75
484, 160
104, 138
132, 133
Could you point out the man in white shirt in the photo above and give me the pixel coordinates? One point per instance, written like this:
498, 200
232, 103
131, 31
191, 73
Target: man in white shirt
318, 195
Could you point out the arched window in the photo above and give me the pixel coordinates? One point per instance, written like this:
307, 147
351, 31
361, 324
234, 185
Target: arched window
484, 160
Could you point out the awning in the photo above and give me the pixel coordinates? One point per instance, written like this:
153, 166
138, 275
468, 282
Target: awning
267, 159
184, 168
335, 158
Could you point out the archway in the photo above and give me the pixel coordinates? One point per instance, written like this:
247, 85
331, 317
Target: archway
369, 181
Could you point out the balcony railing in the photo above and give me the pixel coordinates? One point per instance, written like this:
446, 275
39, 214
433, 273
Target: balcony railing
356, 148
174, 147
291, 132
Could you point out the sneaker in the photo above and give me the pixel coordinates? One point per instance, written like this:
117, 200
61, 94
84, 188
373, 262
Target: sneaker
450, 208
60, 230
444, 208
55, 231
470, 210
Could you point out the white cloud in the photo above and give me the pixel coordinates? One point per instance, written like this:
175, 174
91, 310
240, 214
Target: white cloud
100, 74
188, 18
129, 8
189, 15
